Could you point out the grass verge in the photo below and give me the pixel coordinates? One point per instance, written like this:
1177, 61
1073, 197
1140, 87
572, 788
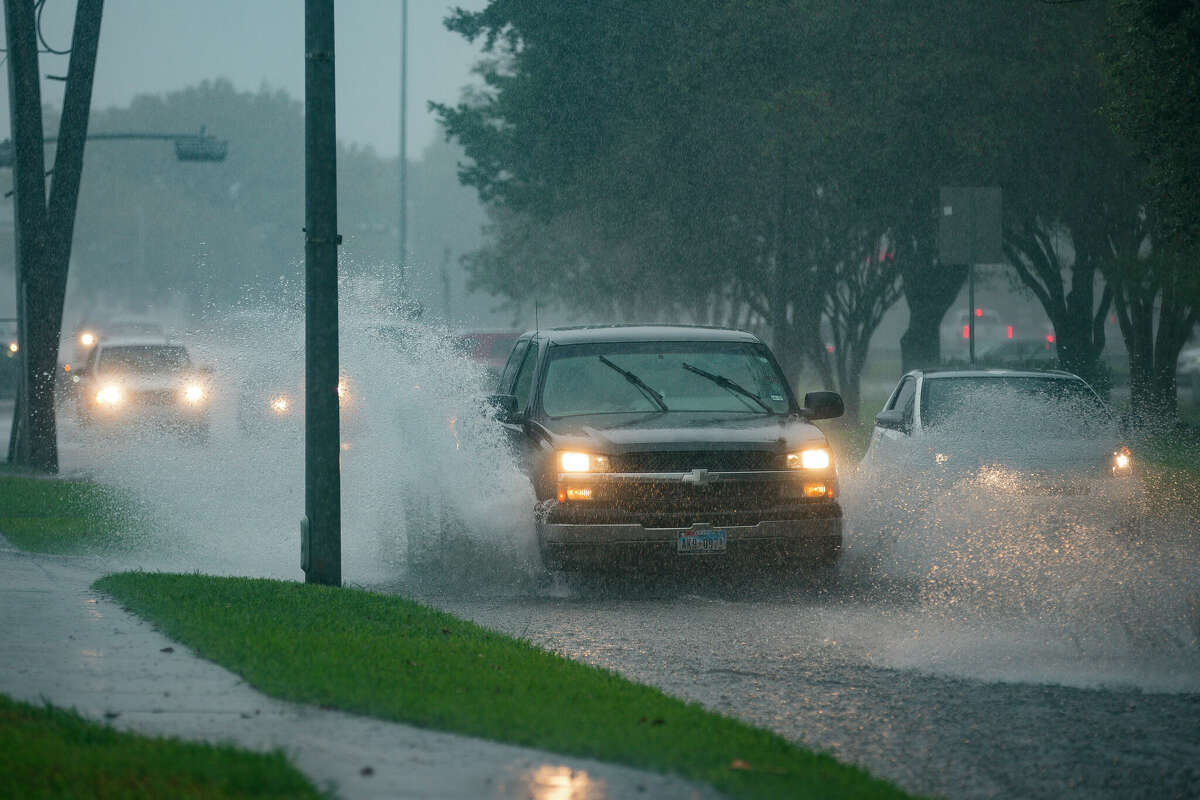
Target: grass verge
47, 515
48, 752
389, 657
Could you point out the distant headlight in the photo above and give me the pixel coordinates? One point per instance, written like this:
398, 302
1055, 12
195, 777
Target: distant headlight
582, 462
13, 347
87, 338
1122, 462
110, 396
193, 394
280, 404
816, 458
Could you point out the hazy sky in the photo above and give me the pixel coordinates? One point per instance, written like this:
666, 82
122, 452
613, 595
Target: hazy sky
160, 45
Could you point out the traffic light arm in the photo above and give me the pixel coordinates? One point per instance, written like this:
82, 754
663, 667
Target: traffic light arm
188, 146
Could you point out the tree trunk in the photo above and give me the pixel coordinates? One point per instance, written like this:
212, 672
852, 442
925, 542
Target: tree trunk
930, 291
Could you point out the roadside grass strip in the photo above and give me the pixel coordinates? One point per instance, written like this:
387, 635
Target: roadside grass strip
48, 752
47, 515
390, 657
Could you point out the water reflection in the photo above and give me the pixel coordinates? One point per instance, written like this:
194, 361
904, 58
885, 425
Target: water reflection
549, 782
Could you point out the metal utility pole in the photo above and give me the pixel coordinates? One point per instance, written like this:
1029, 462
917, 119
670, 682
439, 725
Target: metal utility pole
404, 145
43, 235
321, 529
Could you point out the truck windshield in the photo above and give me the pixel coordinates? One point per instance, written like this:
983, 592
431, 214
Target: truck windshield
579, 382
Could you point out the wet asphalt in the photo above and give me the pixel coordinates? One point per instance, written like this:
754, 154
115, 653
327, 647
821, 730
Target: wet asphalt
963, 708
1054, 666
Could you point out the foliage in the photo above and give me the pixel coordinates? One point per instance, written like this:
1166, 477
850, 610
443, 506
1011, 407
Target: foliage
149, 226
1152, 63
393, 658
47, 752
747, 163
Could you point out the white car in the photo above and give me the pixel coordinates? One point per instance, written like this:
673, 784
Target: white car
142, 382
1030, 433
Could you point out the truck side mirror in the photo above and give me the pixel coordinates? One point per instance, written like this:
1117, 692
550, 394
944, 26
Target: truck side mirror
823, 405
505, 406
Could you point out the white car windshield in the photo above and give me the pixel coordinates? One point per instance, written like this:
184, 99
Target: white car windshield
641, 377
1023, 407
143, 358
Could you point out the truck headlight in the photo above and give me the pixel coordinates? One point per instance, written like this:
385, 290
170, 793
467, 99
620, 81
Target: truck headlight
571, 461
813, 458
1122, 462
110, 396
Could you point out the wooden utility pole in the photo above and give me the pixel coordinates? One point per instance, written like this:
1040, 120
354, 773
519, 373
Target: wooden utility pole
43, 236
321, 530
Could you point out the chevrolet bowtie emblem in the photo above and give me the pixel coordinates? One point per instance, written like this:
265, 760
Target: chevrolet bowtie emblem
700, 477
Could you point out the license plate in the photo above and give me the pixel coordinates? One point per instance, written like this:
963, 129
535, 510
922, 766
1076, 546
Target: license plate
700, 542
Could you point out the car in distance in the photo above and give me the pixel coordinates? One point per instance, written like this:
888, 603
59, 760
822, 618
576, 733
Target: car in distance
652, 446
143, 382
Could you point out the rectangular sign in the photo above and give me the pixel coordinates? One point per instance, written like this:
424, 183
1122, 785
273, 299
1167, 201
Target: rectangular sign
969, 225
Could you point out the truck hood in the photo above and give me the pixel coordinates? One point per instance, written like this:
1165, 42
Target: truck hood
682, 430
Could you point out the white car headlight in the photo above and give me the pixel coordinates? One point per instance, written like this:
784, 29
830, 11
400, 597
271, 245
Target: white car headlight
110, 395
1122, 462
813, 458
193, 394
570, 461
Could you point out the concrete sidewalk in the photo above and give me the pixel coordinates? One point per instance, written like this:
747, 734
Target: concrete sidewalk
65, 644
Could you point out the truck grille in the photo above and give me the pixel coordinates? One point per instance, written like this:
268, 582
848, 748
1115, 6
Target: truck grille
686, 461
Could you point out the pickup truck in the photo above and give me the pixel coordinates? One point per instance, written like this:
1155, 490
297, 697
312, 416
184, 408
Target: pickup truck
651, 446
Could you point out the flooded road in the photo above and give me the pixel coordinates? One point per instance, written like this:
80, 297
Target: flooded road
988, 645
986, 709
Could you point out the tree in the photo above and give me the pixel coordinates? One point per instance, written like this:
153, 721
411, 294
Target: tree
1152, 66
1152, 71
691, 160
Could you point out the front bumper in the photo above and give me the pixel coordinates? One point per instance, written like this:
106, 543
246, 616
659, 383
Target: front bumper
814, 539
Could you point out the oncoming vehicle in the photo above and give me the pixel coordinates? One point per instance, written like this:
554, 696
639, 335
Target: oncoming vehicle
653, 446
1031, 433
138, 381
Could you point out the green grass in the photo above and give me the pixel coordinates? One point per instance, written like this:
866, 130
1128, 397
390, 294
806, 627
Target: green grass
47, 752
47, 515
389, 657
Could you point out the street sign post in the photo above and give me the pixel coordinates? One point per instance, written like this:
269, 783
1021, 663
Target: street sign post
970, 232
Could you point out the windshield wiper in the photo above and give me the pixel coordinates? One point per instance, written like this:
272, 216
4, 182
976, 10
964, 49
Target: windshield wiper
733, 386
647, 390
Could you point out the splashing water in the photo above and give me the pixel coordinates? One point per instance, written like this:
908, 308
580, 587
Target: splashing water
421, 459
1018, 565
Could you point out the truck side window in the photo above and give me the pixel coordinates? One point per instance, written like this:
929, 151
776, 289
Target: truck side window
525, 377
510, 366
